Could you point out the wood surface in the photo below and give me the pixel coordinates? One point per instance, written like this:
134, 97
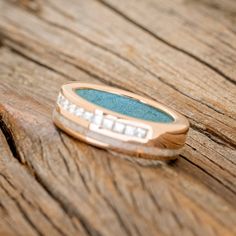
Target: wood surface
181, 53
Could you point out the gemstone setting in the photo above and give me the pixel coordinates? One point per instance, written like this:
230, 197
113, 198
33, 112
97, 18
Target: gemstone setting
104, 122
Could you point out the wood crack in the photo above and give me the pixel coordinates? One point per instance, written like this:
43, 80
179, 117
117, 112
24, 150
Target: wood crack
9, 138
115, 212
215, 163
197, 100
162, 209
37, 62
93, 43
45, 215
211, 149
89, 41
123, 15
214, 136
208, 173
24, 214
68, 209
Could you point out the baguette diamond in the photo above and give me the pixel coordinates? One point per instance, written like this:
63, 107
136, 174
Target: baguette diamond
71, 108
88, 115
140, 132
107, 123
118, 127
79, 111
97, 119
129, 130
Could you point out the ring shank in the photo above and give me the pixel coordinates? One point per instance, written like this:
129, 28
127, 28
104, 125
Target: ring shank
162, 141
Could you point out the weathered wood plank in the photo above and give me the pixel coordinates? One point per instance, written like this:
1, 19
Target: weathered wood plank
204, 30
96, 192
96, 182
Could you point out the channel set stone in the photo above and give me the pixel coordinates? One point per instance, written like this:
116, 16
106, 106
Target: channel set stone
107, 123
103, 122
118, 127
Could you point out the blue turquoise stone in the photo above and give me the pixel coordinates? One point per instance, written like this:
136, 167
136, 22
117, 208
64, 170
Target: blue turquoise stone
124, 105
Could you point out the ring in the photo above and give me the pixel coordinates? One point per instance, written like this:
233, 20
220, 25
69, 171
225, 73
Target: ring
120, 121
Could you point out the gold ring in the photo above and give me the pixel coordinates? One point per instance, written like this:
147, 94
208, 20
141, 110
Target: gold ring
119, 120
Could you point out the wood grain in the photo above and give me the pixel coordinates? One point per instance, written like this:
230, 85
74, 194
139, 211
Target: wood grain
180, 53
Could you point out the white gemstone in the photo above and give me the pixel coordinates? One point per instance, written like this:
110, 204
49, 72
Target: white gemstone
140, 132
72, 108
98, 112
97, 119
88, 115
107, 123
65, 103
62, 99
118, 127
129, 130
79, 111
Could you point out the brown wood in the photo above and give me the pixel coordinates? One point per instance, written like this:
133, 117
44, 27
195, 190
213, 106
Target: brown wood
180, 53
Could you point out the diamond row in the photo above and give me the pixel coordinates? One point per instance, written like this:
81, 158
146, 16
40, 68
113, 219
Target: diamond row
102, 121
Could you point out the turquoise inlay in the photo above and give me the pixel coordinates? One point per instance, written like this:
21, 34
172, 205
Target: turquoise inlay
124, 105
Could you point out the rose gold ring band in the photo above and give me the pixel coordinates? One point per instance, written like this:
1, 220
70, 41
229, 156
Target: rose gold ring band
119, 132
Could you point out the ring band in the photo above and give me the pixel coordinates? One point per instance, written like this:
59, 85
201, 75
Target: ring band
119, 120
